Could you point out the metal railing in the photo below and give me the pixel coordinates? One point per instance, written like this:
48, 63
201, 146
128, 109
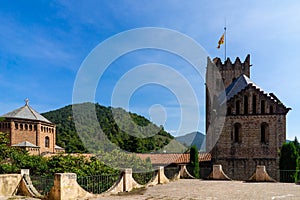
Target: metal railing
203, 171
171, 172
42, 184
143, 178
98, 183
288, 176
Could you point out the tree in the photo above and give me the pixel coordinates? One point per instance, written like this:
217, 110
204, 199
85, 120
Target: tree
194, 161
289, 158
297, 145
297, 175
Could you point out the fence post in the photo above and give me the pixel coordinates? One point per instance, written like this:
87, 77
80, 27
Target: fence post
25, 172
127, 177
66, 187
161, 175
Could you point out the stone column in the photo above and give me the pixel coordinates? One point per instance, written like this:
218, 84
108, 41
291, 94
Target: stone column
25, 172
161, 176
127, 176
66, 188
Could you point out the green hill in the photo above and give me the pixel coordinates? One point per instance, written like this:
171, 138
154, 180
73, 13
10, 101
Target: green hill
128, 131
194, 138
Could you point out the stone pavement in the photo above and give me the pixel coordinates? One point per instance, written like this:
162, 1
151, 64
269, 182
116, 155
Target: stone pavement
191, 189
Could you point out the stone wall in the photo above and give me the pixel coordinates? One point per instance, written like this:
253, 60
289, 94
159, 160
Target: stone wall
31, 131
9, 184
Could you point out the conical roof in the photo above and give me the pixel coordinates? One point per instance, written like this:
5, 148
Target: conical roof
26, 112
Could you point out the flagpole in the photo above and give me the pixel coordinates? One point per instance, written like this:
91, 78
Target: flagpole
225, 39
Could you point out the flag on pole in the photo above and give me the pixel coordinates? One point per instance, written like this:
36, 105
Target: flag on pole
221, 41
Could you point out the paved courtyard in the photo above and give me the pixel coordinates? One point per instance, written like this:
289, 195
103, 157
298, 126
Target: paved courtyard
197, 189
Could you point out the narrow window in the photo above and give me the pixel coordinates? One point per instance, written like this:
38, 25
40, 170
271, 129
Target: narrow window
47, 141
254, 104
21, 126
271, 110
237, 132
229, 111
264, 133
245, 105
237, 107
262, 107
16, 126
26, 127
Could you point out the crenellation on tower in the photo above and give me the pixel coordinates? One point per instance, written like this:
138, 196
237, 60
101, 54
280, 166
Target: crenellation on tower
231, 71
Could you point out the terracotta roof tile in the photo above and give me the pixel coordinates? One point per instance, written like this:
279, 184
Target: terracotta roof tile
168, 158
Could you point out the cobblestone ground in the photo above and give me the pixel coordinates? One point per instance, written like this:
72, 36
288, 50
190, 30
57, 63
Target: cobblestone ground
196, 189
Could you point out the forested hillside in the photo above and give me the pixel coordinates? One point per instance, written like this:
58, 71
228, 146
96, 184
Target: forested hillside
129, 131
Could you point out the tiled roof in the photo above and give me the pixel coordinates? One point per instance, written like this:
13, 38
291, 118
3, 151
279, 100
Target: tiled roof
168, 158
26, 112
25, 144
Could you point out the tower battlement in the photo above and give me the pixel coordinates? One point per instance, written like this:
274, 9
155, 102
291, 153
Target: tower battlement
230, 71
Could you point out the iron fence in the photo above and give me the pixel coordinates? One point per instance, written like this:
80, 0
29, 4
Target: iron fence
143, 177
203, 171
42, 184
171, 172
289, 176
98, 183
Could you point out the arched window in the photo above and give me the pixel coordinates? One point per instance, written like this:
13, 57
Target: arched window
47, 141
264, 132
237, 132
237, 107
262, 106
254, 104
16, 126
245, 105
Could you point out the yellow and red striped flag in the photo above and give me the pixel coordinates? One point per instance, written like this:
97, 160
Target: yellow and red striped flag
221, 41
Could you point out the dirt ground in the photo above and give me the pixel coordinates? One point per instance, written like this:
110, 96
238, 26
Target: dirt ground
199, 189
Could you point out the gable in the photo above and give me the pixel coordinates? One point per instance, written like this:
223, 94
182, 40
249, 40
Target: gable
253, 100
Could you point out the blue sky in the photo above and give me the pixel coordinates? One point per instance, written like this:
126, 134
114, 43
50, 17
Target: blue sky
43, 43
